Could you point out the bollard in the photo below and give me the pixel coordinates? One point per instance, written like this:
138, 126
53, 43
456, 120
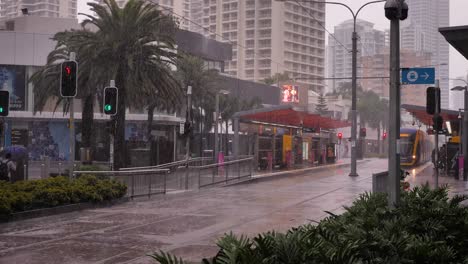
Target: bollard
25, 169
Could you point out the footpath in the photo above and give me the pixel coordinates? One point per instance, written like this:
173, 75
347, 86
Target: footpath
186, 224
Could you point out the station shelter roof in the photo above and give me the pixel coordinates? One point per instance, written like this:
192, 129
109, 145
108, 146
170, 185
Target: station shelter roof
419, 112
287, 115
457, 37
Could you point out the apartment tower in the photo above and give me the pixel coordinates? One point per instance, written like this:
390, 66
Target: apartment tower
270, 37
44, 8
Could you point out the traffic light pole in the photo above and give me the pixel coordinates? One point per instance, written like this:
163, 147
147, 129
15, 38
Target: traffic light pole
187, 143
111, 140
394, 107
72, 129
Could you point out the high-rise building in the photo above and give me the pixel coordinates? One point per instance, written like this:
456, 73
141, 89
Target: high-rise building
270, 37
196, 16
179, 8
378, 65
426, 17
43, 8
371, 41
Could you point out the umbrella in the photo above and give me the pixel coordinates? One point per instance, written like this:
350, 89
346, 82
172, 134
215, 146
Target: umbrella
17, 152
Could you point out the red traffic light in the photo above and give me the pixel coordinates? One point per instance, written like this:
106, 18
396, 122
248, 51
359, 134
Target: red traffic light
340, 135
68, 70
384, 135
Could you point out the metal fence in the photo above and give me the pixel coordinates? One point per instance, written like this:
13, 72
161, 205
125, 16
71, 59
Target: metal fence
177, 176
223, 173
139, 183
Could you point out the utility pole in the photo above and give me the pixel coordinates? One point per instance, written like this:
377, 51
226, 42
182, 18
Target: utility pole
72, 129
187, 143
464, 135
436, 139
353, 172
395, 10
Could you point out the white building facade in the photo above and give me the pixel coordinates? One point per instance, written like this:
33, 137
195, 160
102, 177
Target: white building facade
42, 8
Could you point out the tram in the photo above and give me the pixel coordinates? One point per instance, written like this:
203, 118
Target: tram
415, 147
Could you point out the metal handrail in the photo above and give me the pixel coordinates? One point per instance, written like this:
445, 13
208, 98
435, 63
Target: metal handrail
220, 164
122, 172
171, 164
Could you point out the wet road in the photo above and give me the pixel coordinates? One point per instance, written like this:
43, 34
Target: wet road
186, 224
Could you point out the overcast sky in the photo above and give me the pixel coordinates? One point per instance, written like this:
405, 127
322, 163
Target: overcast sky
375, 14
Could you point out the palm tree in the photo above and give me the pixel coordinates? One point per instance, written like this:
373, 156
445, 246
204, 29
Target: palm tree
46, 80
135, 47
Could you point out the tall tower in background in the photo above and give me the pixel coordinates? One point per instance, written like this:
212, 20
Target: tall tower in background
270, 37
179, 8
428, 16
43, 8
339, 56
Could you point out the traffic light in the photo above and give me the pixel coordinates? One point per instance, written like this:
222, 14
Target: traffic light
68, 79
432, 97
111, 97
438, 123
362, 132
384, 136
340, 135
4, 103
187, 128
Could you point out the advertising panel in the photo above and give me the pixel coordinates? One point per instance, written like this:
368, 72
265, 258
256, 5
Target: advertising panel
290, 94
13, 79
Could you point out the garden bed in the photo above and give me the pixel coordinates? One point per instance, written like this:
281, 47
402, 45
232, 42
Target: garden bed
59, 194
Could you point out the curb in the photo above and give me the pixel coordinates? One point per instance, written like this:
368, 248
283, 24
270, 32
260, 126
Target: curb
294, 173
61, 210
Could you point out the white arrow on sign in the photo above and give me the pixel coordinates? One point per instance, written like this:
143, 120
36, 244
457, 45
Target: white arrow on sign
426, 76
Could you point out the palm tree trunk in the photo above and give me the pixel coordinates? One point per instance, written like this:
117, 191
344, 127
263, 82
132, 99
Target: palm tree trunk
119, 141
150, 122
87, 122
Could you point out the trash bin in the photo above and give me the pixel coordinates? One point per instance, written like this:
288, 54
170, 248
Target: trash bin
85, 156
379, 182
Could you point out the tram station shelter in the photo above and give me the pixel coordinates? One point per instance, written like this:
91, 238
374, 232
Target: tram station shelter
286, 135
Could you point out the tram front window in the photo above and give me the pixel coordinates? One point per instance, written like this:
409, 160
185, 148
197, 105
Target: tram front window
406, 147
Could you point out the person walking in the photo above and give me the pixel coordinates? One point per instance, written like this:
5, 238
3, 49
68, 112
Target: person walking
7, 168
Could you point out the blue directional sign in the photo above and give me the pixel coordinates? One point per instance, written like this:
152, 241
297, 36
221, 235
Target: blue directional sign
418, 76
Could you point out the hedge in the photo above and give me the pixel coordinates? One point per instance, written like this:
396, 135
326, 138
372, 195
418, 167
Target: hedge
45, 193
427, 227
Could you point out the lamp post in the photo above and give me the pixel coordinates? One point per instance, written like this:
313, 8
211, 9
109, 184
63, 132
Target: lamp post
216, 119
464, 134
353, 172
395, 10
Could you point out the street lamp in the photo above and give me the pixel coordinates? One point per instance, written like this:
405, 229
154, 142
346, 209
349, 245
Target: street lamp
395, 10
353, 172
463, 135
216, 117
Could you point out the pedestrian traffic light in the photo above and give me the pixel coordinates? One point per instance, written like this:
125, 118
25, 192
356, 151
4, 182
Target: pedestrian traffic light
340, 135
432, 98
68, 79
111, 96
362, 132
4, 103
384, 136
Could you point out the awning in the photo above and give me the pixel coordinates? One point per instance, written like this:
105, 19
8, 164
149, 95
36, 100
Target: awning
457, 37
286, 115
419, 112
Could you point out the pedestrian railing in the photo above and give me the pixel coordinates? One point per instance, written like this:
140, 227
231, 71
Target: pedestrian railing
175, 164
223, 173
177, 176
139, 182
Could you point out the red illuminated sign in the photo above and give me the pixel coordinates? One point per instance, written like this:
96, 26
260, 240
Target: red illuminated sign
290, 94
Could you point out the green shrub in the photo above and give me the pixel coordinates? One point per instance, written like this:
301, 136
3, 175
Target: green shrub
427, 227
27, 195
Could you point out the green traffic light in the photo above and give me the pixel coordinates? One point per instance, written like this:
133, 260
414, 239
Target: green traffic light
107, 107
1, 109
